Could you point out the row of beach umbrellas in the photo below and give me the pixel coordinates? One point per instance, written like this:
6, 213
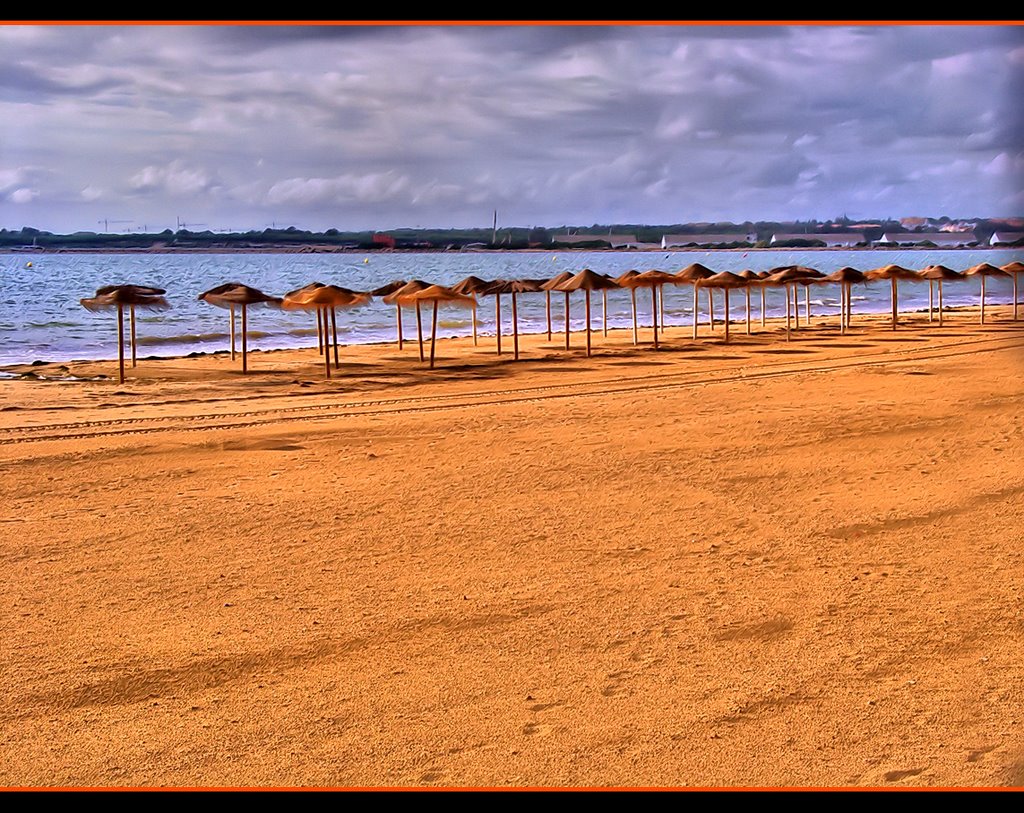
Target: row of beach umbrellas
324, 300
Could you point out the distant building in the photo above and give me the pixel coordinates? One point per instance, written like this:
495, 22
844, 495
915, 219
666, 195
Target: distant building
382, 239
682, 240
1006, 238
614, 240
939, 238
829, 239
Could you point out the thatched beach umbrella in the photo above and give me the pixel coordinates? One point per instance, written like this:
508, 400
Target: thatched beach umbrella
587, 281
141, 290
726, 280
691, 275
786, 276
621, 280
243, 296
654, 280
893, 273
1014, 269
392, 298
227, 286
387, 290
762, 276
515, 287
435, 294
471, 286
552, 285
119, 297
320, 328
811, 275
940, 273
322, 299
752, 279
846, 277
984, 270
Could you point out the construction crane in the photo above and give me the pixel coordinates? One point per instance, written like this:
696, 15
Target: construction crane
182, 225
107, 221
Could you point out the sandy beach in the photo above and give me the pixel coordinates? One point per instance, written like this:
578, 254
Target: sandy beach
762, 563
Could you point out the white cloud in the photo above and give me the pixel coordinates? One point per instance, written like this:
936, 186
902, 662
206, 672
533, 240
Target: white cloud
23, 195
175, 179
373, 187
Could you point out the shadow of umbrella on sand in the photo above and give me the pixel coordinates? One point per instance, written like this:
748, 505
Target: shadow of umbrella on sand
232, 294
586, 280
120, 296
435, 294
322, 299
984, 270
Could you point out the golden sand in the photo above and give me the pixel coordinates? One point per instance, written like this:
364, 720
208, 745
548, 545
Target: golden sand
758, 564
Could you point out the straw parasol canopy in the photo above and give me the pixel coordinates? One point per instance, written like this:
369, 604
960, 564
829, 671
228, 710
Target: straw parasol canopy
940, 273
471, 286
893, 273
810, 277
845, 277
587, 281
392, 298
324, 298
434, 294
691, 275
785, 276
1014, 269
552, 285
140, 290
725, 280
515, 287
654, 280
110, 297
233, 294
984, 270
320, 328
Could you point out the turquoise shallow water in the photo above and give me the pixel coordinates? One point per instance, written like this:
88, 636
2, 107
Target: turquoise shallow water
41, 318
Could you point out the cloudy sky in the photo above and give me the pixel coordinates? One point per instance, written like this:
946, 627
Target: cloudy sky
355, 127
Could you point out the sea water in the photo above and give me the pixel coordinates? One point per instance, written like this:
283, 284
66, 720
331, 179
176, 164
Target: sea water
41, 317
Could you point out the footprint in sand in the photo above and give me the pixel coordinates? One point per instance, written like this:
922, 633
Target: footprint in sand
896, 776
536, 728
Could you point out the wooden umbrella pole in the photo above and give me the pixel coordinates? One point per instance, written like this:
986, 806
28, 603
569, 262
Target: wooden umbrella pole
661, 307
131, 311
1014, 296
547, 306
233, 332
327, 341
398, 316
930, 286
762, 306
497, 320
747, 292
419, 328
334, 332
474, 327
604, 310
796, 307
894, 303
787, 312
319, 332
566, 320
654, 313
940, 303
842, 307
726, 293
515, 329
632, 296
807, 304
588, 321
711, 310
695, 310
433, 335
245, 347
120, 343
982, 298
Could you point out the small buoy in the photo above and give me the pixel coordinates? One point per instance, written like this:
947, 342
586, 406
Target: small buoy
28, 264
553, 259
366, 260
